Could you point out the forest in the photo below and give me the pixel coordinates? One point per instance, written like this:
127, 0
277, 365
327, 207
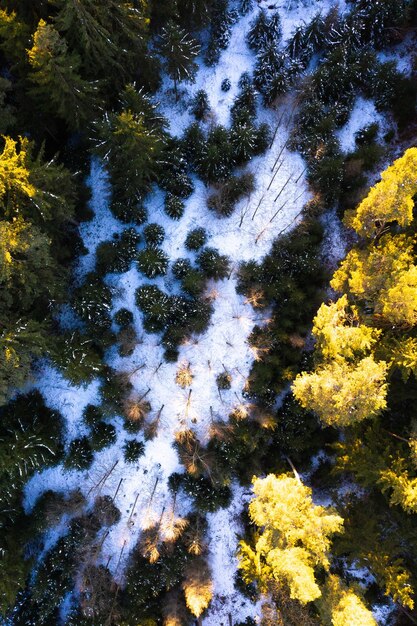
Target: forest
208, 313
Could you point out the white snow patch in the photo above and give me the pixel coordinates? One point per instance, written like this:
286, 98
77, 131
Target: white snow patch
363, 114
224, 530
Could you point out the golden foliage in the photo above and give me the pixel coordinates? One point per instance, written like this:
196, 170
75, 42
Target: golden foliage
342, 606
184, 376
390, 200
342, 393
295, 536
339, 333
197, 586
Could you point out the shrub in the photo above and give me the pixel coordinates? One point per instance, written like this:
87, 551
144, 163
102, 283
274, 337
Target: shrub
193, 142
196, 239
129, 212
225, 85
265, 30
92, 414
132, 450
224, 199
123, 317
173, 176
193, 283
127, 340
154, 234
213, 264
80, 454
92, 301
103, 435
106, 511
155, 305
181, 267
152, 262
224, 381
116, 255
174, 206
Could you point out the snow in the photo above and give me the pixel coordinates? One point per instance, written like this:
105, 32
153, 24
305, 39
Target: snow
140, 490
363, 114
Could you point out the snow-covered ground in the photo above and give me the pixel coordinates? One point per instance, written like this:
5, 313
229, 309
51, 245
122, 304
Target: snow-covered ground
275, 205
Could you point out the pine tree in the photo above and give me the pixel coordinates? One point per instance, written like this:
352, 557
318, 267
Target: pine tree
56, 78
293, 537
131, 143
104, 32
179, 51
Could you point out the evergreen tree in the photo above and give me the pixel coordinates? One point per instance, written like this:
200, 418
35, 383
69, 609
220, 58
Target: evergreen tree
179, 51
56, 78
105, 33
131, 143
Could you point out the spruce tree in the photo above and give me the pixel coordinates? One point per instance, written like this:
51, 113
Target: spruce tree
105, 32
56, 79
179, 51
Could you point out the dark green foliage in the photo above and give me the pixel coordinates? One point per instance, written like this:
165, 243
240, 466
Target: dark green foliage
117, 255
131, 144
102, 435
208, 498
200, 106
221, 21
296, 431
80, 454
155, 305
244, 106
128, 210
226, 196
114, 388
181, 267
215, 161
265, 30
30, 434
152, 261
289, 279
224, 380
77, 356
174, 206
173, 176
213, 264
196, 239
193, 283
92, 415
178, 50
193, 142
395, 92
123, 317
225, 85
92, 302
108, 35
154, 234
146, 583
133, 450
